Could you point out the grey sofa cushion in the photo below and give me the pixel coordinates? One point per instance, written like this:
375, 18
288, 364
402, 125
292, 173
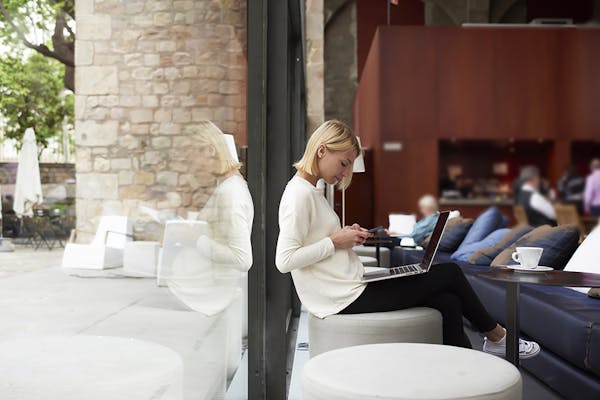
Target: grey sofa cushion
486, 256
559, 244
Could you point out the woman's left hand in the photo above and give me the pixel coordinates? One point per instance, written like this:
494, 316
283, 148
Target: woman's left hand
357, 227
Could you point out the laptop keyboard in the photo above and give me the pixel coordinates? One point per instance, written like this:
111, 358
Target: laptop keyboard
405, 269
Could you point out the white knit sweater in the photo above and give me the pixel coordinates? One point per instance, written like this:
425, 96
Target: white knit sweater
208, 277
327, 280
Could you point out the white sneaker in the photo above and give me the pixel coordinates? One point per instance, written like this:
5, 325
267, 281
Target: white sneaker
527, 349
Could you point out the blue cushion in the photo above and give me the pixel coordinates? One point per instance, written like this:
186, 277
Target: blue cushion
464, 252
487, 222
455, 232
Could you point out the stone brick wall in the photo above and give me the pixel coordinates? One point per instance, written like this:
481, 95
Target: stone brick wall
315, 89
58, 183
49, 173
340, 59
457, 12
146, 73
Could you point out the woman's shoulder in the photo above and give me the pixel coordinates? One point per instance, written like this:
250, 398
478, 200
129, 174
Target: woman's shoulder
233, 184
299, 185
233, 190
296, 191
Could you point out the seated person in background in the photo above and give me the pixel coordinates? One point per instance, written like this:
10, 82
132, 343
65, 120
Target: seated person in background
592, 189
446, 183
539, 209
570, 188
428, 207
517, 188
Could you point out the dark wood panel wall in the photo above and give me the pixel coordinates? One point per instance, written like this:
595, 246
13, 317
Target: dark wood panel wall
422, 84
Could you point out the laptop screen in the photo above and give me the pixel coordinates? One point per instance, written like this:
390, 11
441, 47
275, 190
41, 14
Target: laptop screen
435, 240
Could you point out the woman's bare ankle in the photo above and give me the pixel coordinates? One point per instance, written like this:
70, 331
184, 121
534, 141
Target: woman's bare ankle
496, 334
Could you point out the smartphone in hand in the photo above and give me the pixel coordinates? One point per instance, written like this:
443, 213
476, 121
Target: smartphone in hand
376, 229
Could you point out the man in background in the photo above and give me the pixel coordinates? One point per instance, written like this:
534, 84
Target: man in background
570, 188
592, 190
428, 207
539, 209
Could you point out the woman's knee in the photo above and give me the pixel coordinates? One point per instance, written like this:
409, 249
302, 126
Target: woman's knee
446, 303
453, 266
449, 269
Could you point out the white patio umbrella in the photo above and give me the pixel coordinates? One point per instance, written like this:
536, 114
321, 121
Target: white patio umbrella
28, 188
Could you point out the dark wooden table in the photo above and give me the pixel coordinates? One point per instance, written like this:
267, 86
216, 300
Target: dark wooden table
513, 280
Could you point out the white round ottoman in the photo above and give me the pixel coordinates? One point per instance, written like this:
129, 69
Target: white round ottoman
88, 367
417, 325
409, 371
371, 251
368, 261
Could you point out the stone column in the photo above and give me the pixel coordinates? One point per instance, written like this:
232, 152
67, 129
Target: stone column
456, 12
341, 77
146, 73
315, 87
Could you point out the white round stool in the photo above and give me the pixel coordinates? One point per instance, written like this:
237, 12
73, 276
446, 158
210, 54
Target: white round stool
88, 367
409, 371
368, 261
371, 251
417, 325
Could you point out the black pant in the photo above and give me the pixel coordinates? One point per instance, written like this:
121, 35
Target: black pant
443, 288
595, 211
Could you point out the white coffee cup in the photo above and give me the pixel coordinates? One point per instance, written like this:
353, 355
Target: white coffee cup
528, 257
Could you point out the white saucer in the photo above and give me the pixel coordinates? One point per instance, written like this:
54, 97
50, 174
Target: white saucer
539, 268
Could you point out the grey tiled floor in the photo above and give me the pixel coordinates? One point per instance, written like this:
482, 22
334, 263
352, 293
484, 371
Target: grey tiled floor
26, 259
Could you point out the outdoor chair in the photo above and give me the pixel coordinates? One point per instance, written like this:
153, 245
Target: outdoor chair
43, 229
106, 249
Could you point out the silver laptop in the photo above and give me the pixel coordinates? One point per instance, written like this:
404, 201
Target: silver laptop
413, 269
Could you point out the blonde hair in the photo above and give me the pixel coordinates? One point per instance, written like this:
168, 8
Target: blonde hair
210, 135
335, 136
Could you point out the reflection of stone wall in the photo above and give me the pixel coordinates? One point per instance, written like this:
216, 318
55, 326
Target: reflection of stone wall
49, 172
147, 71
58, 183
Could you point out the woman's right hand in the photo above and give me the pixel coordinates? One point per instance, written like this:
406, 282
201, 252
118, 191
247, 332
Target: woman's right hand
349, 237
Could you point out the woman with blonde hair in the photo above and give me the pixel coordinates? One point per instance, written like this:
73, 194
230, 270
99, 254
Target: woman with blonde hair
210, 279
214, 152
328, 274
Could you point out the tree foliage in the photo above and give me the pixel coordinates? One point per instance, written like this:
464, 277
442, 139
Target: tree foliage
32, 95
44, 26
